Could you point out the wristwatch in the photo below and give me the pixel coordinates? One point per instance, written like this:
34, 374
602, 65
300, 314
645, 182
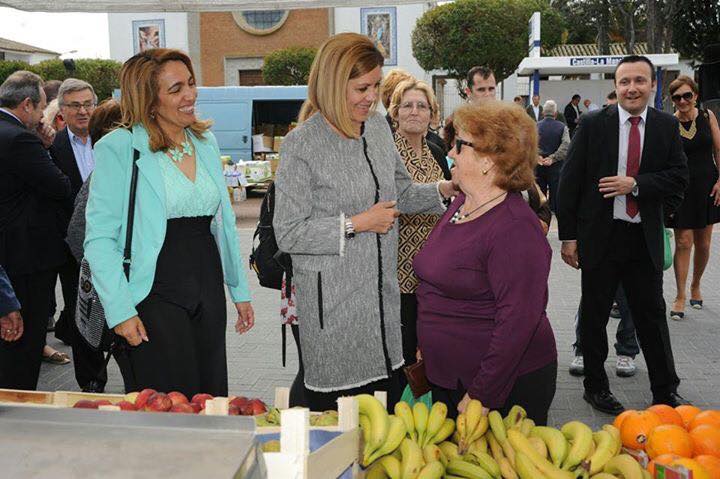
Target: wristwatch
349, 229
634, 190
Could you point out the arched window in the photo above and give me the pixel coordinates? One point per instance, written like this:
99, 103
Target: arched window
260, 22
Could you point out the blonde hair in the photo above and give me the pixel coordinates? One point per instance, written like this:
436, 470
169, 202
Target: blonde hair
139, 93
390, 83
340, 59
412, 84
507, 135
51, 112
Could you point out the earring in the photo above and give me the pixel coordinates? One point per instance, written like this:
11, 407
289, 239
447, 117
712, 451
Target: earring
485, 172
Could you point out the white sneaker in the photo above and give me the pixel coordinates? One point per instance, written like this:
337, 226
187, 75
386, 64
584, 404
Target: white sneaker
577, 366
625, 366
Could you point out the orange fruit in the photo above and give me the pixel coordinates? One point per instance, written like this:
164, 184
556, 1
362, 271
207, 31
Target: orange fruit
667, 414
621, 417
664, 459
688, 412
636, 427
669, 439
706, 440
709, 417
710, 463
698, 471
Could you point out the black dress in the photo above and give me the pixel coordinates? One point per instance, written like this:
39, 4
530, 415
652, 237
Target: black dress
697, 209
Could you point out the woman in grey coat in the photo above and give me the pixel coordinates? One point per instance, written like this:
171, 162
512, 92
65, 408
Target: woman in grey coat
340, 186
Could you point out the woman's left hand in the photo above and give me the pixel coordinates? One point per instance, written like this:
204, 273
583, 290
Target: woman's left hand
246, 317
463, 404
716, 193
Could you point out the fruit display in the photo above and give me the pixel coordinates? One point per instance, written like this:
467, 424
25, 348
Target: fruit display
418, 443
684, 438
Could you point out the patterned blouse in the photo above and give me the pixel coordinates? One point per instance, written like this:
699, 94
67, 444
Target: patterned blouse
415, 229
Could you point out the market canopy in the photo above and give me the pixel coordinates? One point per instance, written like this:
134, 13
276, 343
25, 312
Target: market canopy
186, 5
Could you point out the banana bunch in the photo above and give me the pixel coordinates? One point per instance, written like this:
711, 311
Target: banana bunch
471, 425
425, 426
410, 461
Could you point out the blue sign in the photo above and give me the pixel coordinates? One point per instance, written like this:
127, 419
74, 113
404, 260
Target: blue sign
594, 61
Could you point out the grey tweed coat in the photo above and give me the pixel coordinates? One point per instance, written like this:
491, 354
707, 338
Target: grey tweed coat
348, 298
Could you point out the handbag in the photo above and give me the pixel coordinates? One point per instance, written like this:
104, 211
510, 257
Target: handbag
668, 259
416, 378
89, 312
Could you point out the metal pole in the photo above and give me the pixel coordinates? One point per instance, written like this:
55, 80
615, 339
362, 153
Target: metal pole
659, 89
536, 82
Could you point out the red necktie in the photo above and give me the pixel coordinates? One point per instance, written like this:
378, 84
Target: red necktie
633, 164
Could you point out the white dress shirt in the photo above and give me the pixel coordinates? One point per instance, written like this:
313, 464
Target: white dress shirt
83, 154
619, 212
536, 112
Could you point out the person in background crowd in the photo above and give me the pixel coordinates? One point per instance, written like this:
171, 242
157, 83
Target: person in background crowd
572, 114
412, 107
610, 218
589, 105
480, 86
611, 98
51, 88
554, 141
483, 273
52, 116
694, 219
31, 246
518, 100
535, 109
11, 322
339, 188
171, 311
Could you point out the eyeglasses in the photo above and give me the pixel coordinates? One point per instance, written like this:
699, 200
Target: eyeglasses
459, 144
88, 105
408, 106
687, 96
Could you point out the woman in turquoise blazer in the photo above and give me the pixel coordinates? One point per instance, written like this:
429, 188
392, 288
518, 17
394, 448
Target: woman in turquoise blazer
171, 311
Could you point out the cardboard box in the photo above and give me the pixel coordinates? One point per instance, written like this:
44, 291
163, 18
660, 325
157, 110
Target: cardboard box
277, 142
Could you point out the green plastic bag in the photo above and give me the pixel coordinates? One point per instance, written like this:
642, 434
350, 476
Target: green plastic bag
668, 260
408, 397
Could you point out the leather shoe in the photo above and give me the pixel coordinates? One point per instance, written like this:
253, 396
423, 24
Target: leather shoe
93, 387
672, 400
604, 401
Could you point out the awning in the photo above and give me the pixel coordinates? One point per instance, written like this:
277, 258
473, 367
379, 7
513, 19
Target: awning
586, 64
113, 6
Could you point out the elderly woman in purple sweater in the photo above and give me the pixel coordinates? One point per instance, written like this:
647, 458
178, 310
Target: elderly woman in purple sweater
482, 327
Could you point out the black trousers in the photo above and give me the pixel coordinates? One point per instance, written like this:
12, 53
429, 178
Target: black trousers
184, 316
533, 391
408, 322
20, 360
627, 262
89, 364
548, 179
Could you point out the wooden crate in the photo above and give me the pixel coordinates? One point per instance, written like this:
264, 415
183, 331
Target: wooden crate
16, 397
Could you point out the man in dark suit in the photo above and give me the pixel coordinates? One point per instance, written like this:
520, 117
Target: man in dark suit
73, 154
32, 246
535, 109
624, 173
572, 114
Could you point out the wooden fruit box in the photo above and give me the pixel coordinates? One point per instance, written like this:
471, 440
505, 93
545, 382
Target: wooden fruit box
16, 397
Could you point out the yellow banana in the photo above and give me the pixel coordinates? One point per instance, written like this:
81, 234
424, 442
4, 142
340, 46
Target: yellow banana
449, 449
521, 444
604, 475
461, 429
396, 454
485, 461
473, 413
412, 459
480, 429
526, 469
395, 436
366, 428
580, 437
624, 465
555, 441
506, 470
615, 433
604, 451
376, 472
379, 420
404, 412
539, 445
646, 474
515, 417
461, 468
497, 426
436, 420
479, 445
495, 448
508, 451
456, 435
444, 432
431, 453
443, 458
526, 426
391, 466
590, 452
433, 470
420, 416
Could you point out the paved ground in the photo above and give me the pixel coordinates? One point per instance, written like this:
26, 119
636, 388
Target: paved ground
255, 365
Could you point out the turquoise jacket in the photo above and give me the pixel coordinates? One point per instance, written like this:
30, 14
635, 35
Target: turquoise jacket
106, 218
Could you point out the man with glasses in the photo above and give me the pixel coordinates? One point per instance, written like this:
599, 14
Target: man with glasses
73, 154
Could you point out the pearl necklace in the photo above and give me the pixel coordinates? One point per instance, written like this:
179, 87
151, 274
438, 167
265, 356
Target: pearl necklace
178, 153
458, 217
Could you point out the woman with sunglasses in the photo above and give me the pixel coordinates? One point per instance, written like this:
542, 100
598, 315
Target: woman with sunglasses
482, 328
694, 219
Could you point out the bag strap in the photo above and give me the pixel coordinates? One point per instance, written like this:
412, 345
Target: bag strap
131, 214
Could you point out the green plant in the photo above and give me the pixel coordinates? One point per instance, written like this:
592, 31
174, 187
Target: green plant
289, 66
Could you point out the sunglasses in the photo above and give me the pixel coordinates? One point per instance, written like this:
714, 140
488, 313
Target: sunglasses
687, 96
459, 144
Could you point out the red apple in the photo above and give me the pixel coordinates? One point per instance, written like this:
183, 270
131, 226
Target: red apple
158, 402
258, 407
239, 401
143, 397
126, 406
196, 407
200, 399
233, 410
86, 404
103, 402
182, 408
178, 398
